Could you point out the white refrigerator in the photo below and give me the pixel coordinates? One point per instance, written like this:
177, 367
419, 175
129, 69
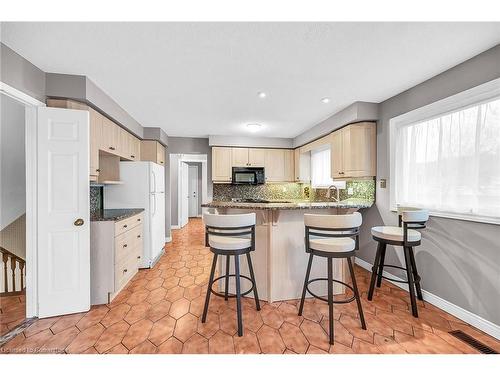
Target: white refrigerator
143, 187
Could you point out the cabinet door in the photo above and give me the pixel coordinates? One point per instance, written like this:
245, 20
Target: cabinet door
337, 154
289, 165
135, 148
275, 165
221, 164
359, 143
302, 165
240, 157
107, 135
124, 143
160, 153
256, 157
95, 141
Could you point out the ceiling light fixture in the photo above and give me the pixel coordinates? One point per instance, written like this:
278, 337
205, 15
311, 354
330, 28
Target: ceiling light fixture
254, 127
261, 94
325, 100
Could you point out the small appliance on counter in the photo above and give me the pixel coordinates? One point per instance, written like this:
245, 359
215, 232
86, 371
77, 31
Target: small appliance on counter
248, 176
143, 187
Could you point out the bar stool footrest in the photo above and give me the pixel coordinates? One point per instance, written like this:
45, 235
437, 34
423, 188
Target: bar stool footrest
391, 279
348, 300
231, 295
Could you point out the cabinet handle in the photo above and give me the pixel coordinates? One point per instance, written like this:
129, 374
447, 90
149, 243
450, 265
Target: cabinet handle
139, 257
97, 170
138, 219
111, 148
132, 156
161, 162
138, 236
125, 225
125, 270
125, 245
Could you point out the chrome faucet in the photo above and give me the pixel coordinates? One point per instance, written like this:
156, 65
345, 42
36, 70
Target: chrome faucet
329, 193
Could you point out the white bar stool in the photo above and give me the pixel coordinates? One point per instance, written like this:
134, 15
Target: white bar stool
229, 235
405, 235
331, 236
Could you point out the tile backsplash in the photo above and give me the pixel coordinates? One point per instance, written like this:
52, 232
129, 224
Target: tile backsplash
96, 202
363, 188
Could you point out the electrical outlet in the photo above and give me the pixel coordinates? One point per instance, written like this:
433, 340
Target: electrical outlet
383, 183
350, 191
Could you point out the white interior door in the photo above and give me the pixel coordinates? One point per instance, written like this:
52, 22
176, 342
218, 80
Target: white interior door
193, 190
63, 212
184, 193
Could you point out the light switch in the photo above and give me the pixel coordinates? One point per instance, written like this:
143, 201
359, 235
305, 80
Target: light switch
383, 183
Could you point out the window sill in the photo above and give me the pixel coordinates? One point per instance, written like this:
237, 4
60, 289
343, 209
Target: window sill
463, 217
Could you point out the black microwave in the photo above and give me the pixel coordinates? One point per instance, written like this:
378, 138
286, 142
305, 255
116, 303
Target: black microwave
248, 176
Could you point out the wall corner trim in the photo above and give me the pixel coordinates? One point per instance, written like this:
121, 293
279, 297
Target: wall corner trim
474, 320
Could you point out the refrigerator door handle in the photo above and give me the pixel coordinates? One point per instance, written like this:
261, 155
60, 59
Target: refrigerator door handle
153, 178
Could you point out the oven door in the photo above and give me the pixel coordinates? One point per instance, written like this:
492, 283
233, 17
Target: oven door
244, 176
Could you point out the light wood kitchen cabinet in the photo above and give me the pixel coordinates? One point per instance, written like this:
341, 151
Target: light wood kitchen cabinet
95, 141
256, 157
353, 151
116, 251
302, 165
153, 151
275, 165
289, 166
221, 164
239, 157
135, 148
248, 157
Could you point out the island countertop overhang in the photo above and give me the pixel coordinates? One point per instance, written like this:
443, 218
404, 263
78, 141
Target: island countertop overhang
355, 203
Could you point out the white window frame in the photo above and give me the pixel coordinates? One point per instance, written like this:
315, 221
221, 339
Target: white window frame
473, 96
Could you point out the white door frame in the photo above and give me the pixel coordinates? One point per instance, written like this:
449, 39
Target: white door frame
31, 105
197, 158
193, 167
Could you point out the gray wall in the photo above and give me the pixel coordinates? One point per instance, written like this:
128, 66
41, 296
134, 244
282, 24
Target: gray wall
12, 161
19, 73
183, 145
459, 261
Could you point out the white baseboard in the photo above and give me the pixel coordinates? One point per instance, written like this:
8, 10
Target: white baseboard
168, 239
174, 227
474, 320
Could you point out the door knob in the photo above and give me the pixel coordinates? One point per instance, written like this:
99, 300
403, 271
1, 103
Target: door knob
78, 222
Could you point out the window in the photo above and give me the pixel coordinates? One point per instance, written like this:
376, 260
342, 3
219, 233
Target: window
320, 168
449, 162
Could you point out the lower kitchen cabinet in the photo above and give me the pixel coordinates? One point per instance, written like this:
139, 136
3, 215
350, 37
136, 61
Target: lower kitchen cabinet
116, 251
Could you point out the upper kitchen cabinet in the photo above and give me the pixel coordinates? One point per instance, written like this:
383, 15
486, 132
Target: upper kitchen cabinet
353, 151
95, 140
153, 151
221, 164
302, 165
279, 166
248, 157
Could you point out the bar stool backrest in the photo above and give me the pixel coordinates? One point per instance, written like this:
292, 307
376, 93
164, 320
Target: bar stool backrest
241, 225
332, 226
411, 218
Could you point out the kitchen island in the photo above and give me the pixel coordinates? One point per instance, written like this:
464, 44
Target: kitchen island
279, 258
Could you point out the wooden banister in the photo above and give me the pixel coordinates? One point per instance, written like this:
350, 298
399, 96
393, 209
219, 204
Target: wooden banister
14, 260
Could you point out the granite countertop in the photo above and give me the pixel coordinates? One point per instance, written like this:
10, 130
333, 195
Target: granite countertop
114, 214
292, 204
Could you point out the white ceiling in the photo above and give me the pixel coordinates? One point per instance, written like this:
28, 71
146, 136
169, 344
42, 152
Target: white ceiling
196, 79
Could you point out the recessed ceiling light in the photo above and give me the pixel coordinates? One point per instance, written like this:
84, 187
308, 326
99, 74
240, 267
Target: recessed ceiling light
261, 94
325, 100
254, 127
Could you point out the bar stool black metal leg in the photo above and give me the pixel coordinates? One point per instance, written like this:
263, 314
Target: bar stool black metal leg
226, 286
330, 299
416, 276
411, 287
209, 289
305, 284
252, 276
356, 294
381, 264
374, 271
238, 294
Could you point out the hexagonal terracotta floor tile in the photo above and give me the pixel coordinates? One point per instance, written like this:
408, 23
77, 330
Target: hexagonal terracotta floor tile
186, 326
221, 343
171, 346
115, 314
315, 334
179, 308
196, 344
137, 312
270, 341
162, 330
85, 339
294, 338
111, 336
159, 310
137, 333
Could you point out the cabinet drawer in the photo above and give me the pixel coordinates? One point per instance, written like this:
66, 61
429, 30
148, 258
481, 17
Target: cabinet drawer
125, 270
124, 225
127, 243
